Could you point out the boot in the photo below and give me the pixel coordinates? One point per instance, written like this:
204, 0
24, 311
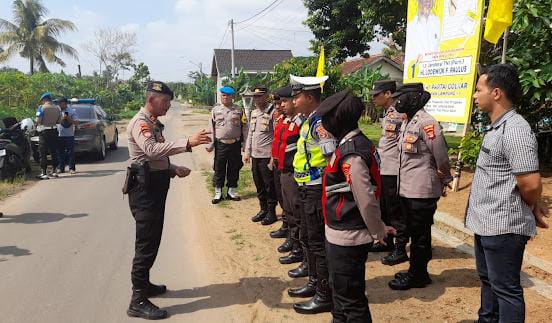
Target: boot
283, 232
232, 195
140, 306
301, 271
156, 290
379, 247
397, 256
408, 281
218, 195
306, 291
260, 216
287, 246
296, 255
270, 217
320, 303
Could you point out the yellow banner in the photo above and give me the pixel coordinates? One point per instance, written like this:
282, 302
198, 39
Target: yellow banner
443, 38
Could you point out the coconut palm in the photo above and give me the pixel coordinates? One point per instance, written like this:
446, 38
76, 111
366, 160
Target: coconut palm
33, 37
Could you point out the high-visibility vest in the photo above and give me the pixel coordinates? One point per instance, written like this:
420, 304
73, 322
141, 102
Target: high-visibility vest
308, 162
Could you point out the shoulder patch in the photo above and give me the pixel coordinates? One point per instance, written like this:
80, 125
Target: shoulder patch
145, 130
322, 133
430, 131
346, 168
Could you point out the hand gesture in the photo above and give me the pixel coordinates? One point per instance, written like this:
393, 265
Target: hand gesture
182, 171
246, 159
200, 138
540, 212
209, 149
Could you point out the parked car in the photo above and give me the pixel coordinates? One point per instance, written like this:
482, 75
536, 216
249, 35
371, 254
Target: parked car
96, 132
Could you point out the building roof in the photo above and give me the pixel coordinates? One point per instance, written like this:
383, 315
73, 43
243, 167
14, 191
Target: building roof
248, 60
356, 64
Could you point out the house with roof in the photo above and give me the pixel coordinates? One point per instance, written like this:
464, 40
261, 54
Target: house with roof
391, 67
251, 61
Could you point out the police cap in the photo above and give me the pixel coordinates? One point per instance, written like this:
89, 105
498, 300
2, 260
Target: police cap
46, 96
159, 87
383, 86
260, 90
345, 102
285, 92
410, 87
306, 83
227, 90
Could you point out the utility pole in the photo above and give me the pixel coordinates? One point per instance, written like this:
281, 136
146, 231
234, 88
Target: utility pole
232, 51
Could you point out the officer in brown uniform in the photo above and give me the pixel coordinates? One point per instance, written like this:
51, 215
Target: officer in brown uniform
229, 128
48, 117
259, 149
389, 154
424, 174
147, 185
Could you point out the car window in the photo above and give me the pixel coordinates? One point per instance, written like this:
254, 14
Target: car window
100, 113
84, 112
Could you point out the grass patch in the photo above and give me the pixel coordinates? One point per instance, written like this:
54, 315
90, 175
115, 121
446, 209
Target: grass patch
127, 114
246, 189
9, 187
373, 132
201, 111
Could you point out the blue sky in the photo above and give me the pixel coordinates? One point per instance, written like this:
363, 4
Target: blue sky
171, 33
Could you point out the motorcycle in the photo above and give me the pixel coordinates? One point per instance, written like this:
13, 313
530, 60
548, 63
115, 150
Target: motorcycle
15, 147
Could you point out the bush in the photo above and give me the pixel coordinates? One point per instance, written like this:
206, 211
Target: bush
469, 149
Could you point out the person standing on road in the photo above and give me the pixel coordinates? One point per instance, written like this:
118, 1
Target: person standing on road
147, 185
424, 174
258, 149
66, 131
48, 117
229, 129
388, 151
352, 188
503, 207
314, 146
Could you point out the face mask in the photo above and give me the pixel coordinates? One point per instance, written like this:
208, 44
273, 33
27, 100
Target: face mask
411, 102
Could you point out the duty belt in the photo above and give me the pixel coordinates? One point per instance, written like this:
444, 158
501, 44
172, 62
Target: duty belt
228, 141
42, 128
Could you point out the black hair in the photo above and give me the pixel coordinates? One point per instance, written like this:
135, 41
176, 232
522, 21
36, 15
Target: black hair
316, 94
506, 78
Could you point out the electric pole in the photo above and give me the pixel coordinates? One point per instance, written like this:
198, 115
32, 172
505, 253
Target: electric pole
232, 51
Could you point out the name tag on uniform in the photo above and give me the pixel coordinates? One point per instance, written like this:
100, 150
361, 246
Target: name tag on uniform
332, 161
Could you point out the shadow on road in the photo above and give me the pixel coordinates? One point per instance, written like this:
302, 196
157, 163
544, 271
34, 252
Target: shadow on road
92, 173
14, 251
113, 156
37, 218
247, 291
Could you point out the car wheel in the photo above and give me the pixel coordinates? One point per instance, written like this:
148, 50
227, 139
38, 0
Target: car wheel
100, 154
113, 146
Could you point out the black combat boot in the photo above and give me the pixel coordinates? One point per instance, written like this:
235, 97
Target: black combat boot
283, 232
140, 306
260, 216
156, 290
309, 290
301, 271
397, 256
296, 255
320, 303
270, 217
287, 246
407, 281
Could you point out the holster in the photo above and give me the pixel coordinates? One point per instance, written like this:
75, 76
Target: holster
137, 173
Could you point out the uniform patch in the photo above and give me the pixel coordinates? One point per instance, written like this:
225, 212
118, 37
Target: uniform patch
145, 130
322, 133
346, 168
410, 139
430, 131
291, 126
391, 115
390, 127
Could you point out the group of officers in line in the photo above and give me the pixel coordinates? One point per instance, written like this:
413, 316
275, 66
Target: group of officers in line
341, 196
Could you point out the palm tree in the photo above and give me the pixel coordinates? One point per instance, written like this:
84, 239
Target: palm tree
33, 37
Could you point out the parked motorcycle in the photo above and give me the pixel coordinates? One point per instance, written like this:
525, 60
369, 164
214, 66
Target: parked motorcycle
15, 147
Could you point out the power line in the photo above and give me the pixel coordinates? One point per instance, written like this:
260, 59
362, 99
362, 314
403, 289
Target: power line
224, 36
266, 39
258, 13
280, 38
260, 17
281, 29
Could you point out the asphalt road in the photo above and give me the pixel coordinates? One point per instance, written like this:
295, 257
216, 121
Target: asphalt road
66, 246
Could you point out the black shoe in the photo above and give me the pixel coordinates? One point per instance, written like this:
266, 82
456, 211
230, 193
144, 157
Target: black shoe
286, 246
283, 232
216, 201
260, 216
407, 281
314, 305
396, 257
306, 291
156, 290
291, 258
378, 247
401, 274
145, 309
301, 271
269, 219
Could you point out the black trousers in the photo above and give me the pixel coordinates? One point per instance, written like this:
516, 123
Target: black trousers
292, 208
227, 165
48, 144
347, 269
311, 197
391, 212
264, 182
147, 205
419, 216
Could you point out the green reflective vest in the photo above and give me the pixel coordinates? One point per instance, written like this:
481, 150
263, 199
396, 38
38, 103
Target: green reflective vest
308, 162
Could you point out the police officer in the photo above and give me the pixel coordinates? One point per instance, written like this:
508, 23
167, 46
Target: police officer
352, 188
315, 144
389, 154
258, 149
229, 128
48, 117
424, 174
147, 185
289, 134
